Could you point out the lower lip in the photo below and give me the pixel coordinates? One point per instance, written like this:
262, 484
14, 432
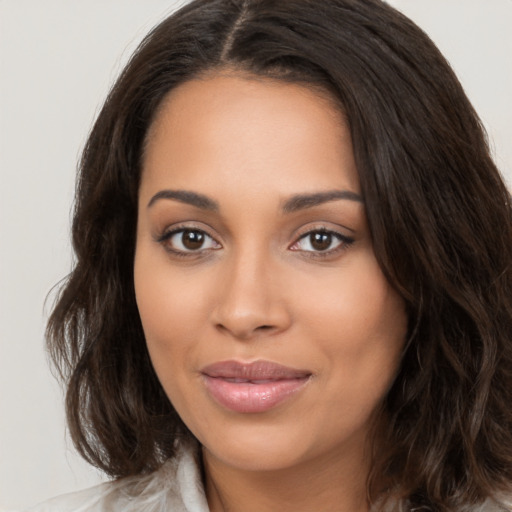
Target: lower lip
247, 397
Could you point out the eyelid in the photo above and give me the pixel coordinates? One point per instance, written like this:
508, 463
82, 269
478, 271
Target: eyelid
162, 233
326, 227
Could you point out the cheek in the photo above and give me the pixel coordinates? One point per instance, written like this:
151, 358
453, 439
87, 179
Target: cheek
359, 324
356, 303
165, 296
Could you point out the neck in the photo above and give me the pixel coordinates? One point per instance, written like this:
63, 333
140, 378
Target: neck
330, 485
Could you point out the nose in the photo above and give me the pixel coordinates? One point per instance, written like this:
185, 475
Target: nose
251, 300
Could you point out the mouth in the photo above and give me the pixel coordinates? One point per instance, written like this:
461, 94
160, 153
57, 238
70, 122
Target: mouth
252, 387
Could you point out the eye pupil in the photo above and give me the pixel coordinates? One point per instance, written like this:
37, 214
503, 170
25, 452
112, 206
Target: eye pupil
321, 241
192, 239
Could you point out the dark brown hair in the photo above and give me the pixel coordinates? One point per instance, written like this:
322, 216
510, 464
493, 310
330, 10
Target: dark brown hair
438, 211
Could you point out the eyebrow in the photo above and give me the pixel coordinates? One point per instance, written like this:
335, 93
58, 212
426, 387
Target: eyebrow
293, 204
303, 201
187, 197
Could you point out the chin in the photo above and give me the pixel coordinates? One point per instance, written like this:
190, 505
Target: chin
255, 457
260, 447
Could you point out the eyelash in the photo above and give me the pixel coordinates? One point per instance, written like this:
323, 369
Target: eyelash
344, 242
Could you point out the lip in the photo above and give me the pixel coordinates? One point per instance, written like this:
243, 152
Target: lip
252, 387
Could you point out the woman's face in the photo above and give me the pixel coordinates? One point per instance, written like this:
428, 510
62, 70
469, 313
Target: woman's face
268, 320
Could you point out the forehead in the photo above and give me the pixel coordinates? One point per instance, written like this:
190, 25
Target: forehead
233, 130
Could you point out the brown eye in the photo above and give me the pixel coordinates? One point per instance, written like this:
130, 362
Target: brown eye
320, 241
188, 241
192, 240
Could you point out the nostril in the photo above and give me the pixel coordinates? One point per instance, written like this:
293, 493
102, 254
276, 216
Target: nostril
245, 333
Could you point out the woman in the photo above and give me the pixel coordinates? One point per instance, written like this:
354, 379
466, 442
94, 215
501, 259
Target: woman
292, 286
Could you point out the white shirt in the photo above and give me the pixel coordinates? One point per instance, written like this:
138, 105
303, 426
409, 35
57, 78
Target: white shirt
175, 487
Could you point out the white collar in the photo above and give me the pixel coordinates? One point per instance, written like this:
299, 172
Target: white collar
176, 486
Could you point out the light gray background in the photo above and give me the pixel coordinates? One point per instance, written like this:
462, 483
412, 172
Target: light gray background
57, 61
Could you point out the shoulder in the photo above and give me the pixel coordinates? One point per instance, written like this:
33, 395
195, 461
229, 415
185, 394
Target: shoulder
87, 500
175, 487
502, 504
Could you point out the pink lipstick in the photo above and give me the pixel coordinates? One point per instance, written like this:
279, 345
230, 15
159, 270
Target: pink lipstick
252, 387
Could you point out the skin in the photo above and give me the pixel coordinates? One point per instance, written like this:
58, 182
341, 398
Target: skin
258, 288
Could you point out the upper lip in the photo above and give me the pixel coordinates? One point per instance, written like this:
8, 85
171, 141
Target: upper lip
256, 370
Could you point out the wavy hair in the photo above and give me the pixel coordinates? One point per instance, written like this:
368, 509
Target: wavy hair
439, 216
